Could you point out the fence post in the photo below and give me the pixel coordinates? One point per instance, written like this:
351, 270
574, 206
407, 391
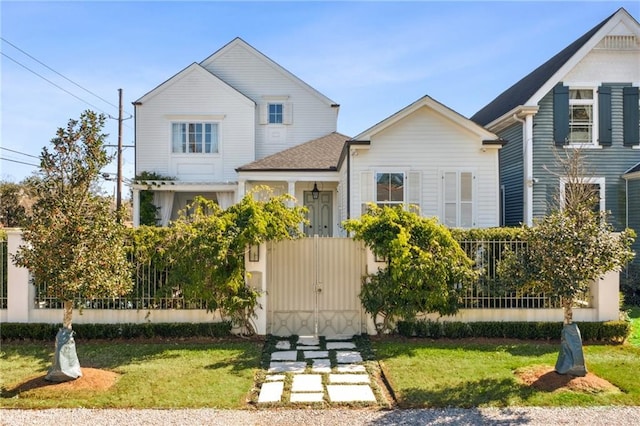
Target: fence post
606, 296
19, 291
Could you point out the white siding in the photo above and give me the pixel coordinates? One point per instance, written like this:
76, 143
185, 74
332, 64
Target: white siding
256, 77
427, 143
596, 67
195, 95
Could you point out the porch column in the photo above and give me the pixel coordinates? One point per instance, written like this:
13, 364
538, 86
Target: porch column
241, 190
528, 171
20, 293
292, 191
136, 207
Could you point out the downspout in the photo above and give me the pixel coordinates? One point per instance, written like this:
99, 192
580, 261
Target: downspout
527, 153
348, 181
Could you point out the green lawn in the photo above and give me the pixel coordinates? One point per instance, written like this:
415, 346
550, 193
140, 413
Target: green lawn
151, 375
634, 316
463, 374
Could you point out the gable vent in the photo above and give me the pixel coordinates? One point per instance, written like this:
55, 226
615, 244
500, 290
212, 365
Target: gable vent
619, 42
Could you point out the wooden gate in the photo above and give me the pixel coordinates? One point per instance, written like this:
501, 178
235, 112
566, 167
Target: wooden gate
313, 287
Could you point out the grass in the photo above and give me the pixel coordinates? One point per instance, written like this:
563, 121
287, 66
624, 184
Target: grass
151, 375
634, 316
463, 374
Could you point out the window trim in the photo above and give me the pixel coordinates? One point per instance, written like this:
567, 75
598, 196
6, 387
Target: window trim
594, 115
600, 181
217, 125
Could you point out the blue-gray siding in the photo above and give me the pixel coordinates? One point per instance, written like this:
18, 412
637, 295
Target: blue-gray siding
511, 175
634, 215
607, 162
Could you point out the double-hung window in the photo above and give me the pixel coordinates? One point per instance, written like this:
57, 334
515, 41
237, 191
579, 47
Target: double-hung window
585, 191
275, 113
581, 116
389, 189
200, 138
458, 199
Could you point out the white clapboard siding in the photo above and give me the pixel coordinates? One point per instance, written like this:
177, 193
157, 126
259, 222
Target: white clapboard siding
255, 76
423, 144
195, 95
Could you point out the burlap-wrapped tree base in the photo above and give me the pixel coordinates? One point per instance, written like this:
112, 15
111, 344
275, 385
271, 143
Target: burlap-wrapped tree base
571, 358
65, 362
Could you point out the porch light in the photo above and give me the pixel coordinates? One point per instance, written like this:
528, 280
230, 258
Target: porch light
315, 192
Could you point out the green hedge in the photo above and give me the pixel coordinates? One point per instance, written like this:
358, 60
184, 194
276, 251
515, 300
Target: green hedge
39, 331
610, 331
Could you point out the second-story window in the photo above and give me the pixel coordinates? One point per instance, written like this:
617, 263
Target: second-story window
581, 113
275, 112
200, 138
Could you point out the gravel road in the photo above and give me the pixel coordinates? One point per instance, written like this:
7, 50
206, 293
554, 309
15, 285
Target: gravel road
618, 416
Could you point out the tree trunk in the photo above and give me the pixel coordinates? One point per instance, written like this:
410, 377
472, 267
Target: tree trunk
567, 305
68, 314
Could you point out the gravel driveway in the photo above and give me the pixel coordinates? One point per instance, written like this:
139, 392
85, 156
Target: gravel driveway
618, 416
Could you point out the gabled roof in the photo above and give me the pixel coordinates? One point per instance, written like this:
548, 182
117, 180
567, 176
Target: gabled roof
524, 90
240, 42
320, 154
427, 101
194, 67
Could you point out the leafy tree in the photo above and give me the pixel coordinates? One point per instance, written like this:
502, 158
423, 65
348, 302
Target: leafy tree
15, 203
569, 249
426, 269
208, 245
74, 242
148, 211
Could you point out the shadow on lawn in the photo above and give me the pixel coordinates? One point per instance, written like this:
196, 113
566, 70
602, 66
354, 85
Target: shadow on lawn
465, 395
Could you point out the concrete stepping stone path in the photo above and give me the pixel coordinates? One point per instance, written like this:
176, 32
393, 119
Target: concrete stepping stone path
314, 380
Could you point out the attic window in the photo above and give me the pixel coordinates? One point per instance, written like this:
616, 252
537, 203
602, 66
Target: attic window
619, 42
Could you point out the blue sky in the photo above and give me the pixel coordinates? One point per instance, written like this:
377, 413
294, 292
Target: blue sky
373, 58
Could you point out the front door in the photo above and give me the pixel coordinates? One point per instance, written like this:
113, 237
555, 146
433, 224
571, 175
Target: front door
320, 214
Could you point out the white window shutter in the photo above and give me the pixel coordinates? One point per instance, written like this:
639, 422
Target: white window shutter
414, 190
366, 187
287, 113
262, 113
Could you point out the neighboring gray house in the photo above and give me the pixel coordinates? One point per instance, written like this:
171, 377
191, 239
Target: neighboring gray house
584, 97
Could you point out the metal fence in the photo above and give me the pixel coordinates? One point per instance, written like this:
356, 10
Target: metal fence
4, 259
491, 291
151, 290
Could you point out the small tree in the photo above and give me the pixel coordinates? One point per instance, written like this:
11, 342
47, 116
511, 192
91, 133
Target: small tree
74, 243
568, 250
426, 270
209, 245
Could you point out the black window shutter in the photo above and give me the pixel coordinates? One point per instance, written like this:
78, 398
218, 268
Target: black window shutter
631, 132
560, 114
604, 115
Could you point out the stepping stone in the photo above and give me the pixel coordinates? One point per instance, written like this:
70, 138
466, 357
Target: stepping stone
274, 377
316, 354
308, 348
348, 357
284, 356
294, 367
308, 341
283, 345
350, 393
340, 345
271, 392
349, 378
351, 368
307, 383
321, 366
307, 397
340, 337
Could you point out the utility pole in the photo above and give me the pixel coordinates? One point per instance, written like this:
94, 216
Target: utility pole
119, 184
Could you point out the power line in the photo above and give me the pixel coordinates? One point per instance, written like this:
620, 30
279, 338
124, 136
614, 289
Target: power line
52, 83
18, 152
61, 75
20, 162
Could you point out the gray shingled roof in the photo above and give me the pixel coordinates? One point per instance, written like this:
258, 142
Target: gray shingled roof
318, 154
634, 169
524, 89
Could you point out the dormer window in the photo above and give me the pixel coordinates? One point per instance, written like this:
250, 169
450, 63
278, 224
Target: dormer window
581, 113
